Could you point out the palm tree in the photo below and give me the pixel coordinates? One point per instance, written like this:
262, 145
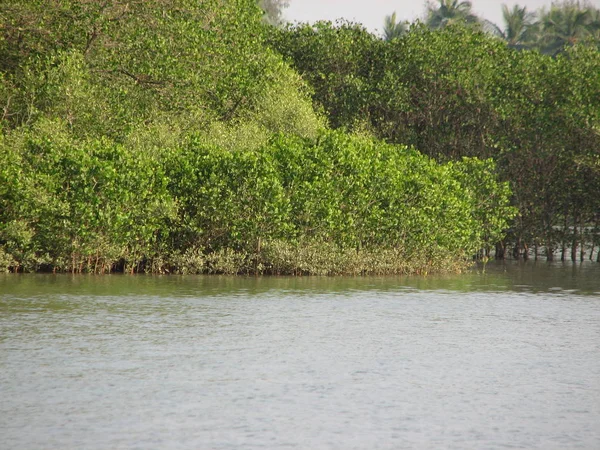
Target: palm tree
393, 29
450, 12
273, 10
564, 25
519, 26
594, 24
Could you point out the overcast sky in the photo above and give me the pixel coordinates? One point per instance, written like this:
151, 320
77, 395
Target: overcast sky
371, 13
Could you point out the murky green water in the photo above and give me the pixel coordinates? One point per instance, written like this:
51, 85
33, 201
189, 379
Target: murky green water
509, 358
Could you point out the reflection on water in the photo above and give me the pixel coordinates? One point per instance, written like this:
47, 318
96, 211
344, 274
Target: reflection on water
502, 358
515, 276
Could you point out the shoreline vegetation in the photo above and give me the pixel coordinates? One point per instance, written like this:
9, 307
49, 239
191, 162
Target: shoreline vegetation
339, 204
196, 137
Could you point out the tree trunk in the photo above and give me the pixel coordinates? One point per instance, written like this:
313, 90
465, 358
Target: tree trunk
563, 249
549, 252
515, 251
500, 250
582, 249
574, 243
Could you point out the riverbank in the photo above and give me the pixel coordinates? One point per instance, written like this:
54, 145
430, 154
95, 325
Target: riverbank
276, 258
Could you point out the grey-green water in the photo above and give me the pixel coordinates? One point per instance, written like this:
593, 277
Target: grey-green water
505, 359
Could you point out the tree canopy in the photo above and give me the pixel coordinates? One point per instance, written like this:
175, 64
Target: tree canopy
194, 137
549, 30
174, 136
459, 92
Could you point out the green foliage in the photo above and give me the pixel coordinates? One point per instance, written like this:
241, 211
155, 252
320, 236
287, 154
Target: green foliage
109, 68
6, 261
455, 93
425, 89
337, 62
520, 27
273, 10
445, 13
489, 196
96, 205
81, 205
227, 199
285, 106
172, 136
549, 30
393, 29
565, 24
351, 192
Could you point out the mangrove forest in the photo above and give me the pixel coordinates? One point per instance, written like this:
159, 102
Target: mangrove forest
207, 136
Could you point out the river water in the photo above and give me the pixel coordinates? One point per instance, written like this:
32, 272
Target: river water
509, 358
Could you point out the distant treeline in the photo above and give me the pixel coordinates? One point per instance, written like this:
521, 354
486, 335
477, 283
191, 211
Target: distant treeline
194, 137
550, 29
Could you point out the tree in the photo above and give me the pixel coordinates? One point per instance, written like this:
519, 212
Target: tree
393, 29
338, 63
449, 12
145, 62
594, 25
518, 26
454, 92
273, 10
563, 25
95, 100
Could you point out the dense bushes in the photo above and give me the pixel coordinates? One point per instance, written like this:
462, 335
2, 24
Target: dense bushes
341, 204
457, 92
350, 191
77, 205
167, 136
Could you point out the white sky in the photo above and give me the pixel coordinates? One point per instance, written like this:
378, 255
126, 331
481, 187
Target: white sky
371, 13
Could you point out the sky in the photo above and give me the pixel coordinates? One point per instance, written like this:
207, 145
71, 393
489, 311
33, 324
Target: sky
371, 13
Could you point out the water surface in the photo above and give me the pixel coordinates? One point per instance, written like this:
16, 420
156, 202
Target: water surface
509, 358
